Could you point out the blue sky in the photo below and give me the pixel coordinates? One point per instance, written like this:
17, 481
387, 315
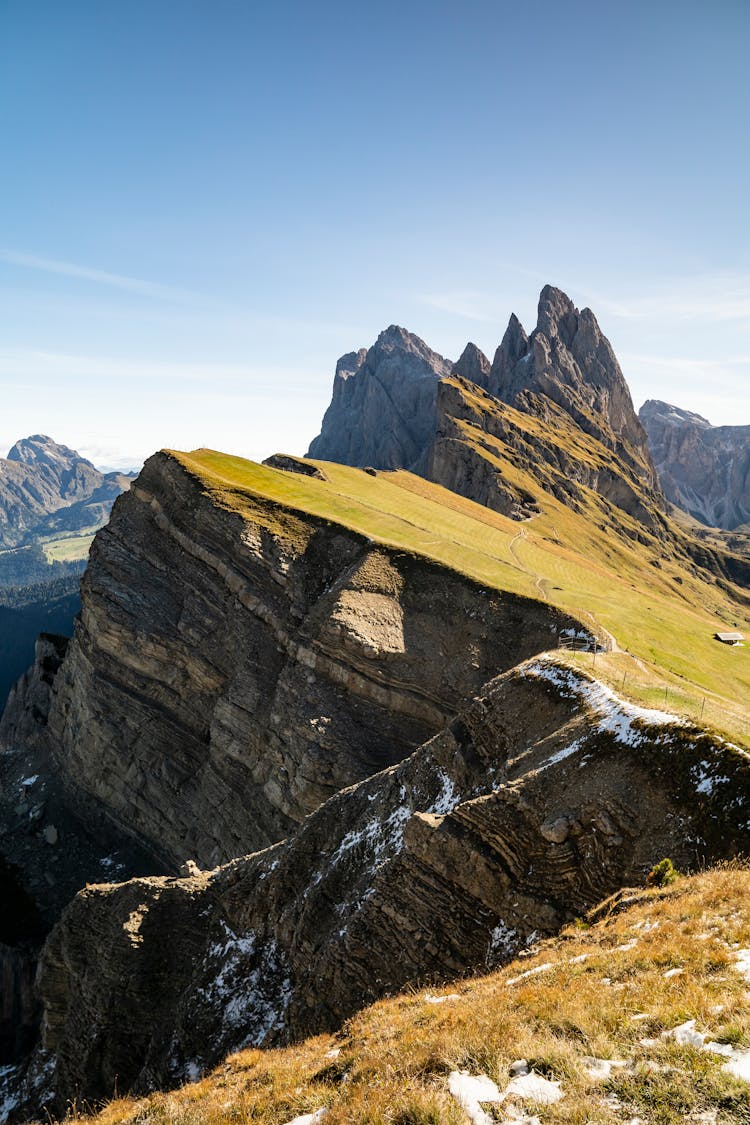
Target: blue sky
203, 204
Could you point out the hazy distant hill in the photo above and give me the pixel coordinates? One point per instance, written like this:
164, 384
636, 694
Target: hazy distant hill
47, 489
703, 469
52, 501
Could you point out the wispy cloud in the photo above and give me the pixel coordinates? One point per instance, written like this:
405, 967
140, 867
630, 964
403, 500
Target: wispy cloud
708, 299
100, 277
211, 378
711, 298
485, 308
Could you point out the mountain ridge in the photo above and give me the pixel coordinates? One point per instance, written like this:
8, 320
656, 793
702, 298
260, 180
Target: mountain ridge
566, 361
46, 488
704, 469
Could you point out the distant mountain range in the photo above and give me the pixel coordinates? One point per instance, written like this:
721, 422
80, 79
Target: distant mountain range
47, 489
52, 501
703, 469
399, 404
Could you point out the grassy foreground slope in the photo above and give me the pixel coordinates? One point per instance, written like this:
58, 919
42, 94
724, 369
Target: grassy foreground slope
661, 612
594, 1011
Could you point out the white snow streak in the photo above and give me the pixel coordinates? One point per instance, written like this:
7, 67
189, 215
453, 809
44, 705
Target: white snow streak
615, 716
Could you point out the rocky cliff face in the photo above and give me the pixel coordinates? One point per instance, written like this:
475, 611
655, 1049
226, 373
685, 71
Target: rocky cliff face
568, 359
518, 816
383, 408
703, 469
230, 672
484, 448
46, 487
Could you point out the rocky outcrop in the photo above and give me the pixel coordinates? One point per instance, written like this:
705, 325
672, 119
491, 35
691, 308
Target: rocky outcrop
703, 469
46, 488
231, 671
382, 412
569, 360
29, 700
524, 812
492, 454
473, 365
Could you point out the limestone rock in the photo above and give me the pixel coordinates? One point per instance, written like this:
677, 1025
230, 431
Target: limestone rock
293, 465
569, 360
703, 469
30, 697
382, 412
473, 364
389, 409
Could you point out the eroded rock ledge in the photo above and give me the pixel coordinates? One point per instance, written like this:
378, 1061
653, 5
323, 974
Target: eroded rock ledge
232, 670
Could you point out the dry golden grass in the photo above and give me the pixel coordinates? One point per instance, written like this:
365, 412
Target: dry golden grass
604, 992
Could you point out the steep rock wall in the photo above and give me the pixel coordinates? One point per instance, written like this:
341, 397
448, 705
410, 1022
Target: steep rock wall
230, 672
703, 469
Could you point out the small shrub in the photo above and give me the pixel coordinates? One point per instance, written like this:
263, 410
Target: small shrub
662, 874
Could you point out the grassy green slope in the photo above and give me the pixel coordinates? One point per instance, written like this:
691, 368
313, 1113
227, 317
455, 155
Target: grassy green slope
661, 612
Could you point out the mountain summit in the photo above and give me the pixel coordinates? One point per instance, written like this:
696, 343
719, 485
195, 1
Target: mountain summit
396, 406
42, 481
383, 408
568, 359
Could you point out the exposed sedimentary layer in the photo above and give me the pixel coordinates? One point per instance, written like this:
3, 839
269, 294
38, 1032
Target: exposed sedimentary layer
543, 797
233, 670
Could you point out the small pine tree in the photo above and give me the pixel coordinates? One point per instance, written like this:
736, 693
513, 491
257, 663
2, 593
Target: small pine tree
662, 874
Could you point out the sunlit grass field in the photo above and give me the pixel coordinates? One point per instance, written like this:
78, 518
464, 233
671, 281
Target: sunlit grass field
68, 548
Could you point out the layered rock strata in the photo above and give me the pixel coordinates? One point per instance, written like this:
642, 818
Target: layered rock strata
524, 812
231, 671
703, 469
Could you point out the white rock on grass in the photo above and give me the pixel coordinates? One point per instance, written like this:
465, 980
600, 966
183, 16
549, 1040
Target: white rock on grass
470, 1090
534, 1088
531, 972
309, 1118
601, 1069
686, 1035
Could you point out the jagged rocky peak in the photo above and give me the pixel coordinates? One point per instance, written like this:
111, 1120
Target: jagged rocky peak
569, 360
473, 365
350, 363
513, 348
386, 410
703, 469
382, 412
557, 315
